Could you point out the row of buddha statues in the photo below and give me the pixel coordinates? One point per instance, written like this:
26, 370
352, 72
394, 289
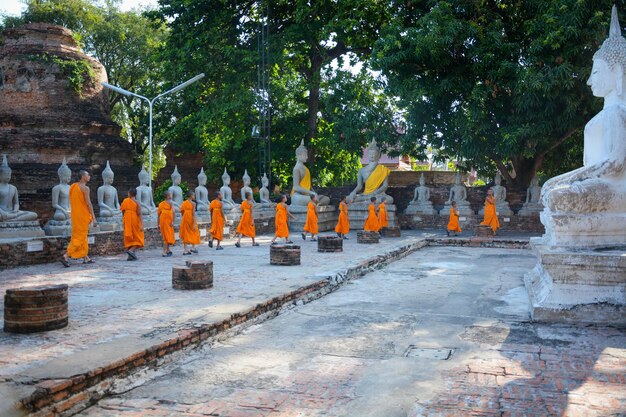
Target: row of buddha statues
422, 205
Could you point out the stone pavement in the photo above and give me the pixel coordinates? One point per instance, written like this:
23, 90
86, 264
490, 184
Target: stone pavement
118, 308
442, 332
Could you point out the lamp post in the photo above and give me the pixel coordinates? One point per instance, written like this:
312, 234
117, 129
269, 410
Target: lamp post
151, 103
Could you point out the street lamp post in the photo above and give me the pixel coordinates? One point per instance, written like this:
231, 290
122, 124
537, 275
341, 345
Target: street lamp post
151, 103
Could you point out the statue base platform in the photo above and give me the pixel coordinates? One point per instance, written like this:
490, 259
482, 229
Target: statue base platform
463, 207
425, 209
151, 221
59, 228
530, 209
357, 213
110, 224
20, 230
502, 210
577, 285
326, 218
593, 230
203, 217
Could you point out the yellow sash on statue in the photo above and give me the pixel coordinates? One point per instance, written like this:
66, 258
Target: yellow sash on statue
376, 178
306, 181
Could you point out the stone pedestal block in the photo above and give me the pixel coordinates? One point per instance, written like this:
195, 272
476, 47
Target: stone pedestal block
285, 255
329, 244
59, 228
357, 213
20, 230
195, 275
326, 218
578, 285
483, 231
391, 232
112, 224
367, 237
35, 309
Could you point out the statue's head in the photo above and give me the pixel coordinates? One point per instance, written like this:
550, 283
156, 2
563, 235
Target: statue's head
457, 178
497, 179
301, 152
246, 178
225, 178
144, 177
5, 171
422, 180
107, 175
175, 176
534, 181
265, 181
202, 177
609, 63
373, 152
64, 172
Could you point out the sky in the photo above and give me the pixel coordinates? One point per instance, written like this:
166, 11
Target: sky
15, 7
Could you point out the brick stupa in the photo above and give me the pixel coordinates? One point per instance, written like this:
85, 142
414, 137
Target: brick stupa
43, 118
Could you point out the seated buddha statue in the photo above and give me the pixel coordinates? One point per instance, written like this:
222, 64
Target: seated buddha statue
301, 191
9, 198
372, 179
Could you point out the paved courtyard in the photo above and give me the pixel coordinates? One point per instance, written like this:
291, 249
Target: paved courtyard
442, 332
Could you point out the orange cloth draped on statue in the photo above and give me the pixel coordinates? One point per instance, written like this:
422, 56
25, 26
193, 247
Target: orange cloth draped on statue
133, 227
453, 223
246, 224
166, 219
343, 223
383, 218
311, 219
81, 218
282, 229
189, 232
491, 218
217, 220
371, 223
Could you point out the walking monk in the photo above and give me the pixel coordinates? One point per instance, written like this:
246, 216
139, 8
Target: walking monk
453, 223
189, 233
282, 213
371, 223
383, 218
311, 219
491, 218
217, 221
166, 223
133, 225
82, 217
343, 224
246, 224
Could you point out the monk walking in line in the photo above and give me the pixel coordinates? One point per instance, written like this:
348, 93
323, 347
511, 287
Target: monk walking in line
246, 224
133, 225
383, 218
491, 217
371, 222
343, 223
216, 208
282, 214
453, 223
166, 223
311, 219
82, 217
189, 232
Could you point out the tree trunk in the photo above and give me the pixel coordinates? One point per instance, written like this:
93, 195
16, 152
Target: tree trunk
313, 104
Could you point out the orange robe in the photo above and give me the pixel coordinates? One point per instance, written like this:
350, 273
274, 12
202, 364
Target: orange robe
133, 227
189, 232
217, 220
282, 229
453, 223
491, 218
343, 224
383, 219
246, 224
81, 217
371, 223
166, 219
311, 219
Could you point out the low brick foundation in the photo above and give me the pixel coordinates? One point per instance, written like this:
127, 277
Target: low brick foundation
35, 309
479, 242
515, 223
195, 275
329, 244
363, 236
285, 255
483, 231
391, 232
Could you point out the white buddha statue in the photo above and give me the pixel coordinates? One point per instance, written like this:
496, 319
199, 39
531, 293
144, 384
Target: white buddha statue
61, 194
108, 200
177, 192
202, 195
421, 199
458, 193
532, 206
246, 189
144, 195
301, 191
9, 198
228, 203
372, 179
264, 193
499, 194
587, 207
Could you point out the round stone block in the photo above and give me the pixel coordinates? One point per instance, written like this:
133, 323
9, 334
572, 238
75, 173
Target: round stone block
363, 236
391, 231
35, 309
329, 244
285, 255
195, 275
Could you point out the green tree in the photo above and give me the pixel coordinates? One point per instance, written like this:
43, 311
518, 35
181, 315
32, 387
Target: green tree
495, 84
